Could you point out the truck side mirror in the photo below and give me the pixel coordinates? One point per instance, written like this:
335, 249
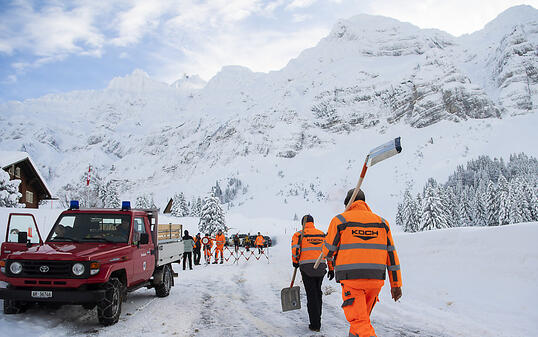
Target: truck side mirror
22, 237
144, 239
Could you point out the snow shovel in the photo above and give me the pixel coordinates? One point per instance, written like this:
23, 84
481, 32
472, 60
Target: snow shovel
376, 155
291, 297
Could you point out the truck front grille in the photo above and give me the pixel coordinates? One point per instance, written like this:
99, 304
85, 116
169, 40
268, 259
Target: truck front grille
46, 269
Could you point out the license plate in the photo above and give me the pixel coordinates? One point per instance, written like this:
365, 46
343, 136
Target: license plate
41, 294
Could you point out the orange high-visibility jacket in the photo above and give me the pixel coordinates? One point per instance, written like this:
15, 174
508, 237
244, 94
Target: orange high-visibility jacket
196, 242
259, 241
220, 240
361, 245
307, 252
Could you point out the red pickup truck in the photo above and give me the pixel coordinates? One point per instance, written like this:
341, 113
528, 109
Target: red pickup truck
91, 257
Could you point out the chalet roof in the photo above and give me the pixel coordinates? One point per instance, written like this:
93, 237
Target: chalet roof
8, 158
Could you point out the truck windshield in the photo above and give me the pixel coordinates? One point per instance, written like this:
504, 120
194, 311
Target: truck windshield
91, 227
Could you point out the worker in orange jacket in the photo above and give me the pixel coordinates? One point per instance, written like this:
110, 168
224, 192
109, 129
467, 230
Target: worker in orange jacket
208, 244
219, 240
196, 249
361, 246
259, 242
305, 249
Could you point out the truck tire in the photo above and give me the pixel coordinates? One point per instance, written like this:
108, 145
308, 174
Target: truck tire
14, 307
163, 289
109, 309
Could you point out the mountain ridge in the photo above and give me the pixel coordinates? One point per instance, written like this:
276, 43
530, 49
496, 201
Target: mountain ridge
400, 75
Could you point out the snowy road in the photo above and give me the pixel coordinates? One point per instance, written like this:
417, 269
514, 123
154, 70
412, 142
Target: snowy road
216, 300
451, 281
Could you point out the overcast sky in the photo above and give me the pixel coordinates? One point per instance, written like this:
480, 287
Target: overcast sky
58, 46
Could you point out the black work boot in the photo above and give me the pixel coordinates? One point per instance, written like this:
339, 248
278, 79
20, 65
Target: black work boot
316, 329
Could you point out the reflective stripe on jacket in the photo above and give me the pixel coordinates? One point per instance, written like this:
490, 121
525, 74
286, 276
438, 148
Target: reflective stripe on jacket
307, 252
259, 241
220, 240
197, 242
360, 243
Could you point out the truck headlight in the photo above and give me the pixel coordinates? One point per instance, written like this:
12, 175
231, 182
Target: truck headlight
15, 268
3, 266
78, 269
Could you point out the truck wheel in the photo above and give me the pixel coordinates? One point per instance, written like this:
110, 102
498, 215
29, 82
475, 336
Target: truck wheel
109, 309
14, 307
163, 289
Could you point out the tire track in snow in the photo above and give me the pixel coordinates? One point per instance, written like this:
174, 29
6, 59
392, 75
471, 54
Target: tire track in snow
226, 311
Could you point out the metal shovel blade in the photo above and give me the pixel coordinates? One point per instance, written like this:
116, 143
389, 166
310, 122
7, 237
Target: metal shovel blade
290, 298
384, 151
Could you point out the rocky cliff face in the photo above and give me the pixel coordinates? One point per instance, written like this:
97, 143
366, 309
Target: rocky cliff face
369, 72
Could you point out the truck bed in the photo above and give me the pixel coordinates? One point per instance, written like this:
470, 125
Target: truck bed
170, 250
170, 244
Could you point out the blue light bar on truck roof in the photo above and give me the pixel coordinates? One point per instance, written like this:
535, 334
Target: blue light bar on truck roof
74, 204
125, 205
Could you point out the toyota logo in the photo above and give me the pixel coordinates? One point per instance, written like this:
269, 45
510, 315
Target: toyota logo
44, 269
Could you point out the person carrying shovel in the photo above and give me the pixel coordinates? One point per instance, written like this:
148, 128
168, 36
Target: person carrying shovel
361, 245
304, 251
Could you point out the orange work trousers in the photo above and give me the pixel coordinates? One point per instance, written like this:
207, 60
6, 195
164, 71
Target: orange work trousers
207, 254
358, 305
217, 251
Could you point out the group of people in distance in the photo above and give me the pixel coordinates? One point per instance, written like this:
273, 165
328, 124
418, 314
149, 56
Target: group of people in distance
358, 250
194, 246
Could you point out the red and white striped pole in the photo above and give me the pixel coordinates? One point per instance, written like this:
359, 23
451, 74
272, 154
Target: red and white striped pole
88, 177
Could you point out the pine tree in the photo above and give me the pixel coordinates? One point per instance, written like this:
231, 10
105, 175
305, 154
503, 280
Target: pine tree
9, 191
217, 192
196, 207
212, 216
433, 216
464, 208
111, 198
480, 214
179, 205
399, 215
410, 213
145, 201
533, 204
449, 206
504, 200
519, 208
492, 205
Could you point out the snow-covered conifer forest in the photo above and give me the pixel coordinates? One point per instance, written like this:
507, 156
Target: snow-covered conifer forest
485, 193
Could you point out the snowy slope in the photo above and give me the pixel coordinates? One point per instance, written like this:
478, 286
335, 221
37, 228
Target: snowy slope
470, 282
301, 133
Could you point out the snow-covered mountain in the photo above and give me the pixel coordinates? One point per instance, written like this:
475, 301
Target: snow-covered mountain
299, 133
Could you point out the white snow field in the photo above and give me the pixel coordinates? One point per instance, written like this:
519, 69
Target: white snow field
471, 281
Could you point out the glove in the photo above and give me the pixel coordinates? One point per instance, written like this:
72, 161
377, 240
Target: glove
295, 265
396, 293
330, 274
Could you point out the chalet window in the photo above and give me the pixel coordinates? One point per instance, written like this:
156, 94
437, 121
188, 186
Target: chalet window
11, 170
17, 172
29, 197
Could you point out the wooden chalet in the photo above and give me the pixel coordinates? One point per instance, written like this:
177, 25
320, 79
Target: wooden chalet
168, 208
20, 166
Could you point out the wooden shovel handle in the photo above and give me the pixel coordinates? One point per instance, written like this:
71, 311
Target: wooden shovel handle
293, 277
355, 192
